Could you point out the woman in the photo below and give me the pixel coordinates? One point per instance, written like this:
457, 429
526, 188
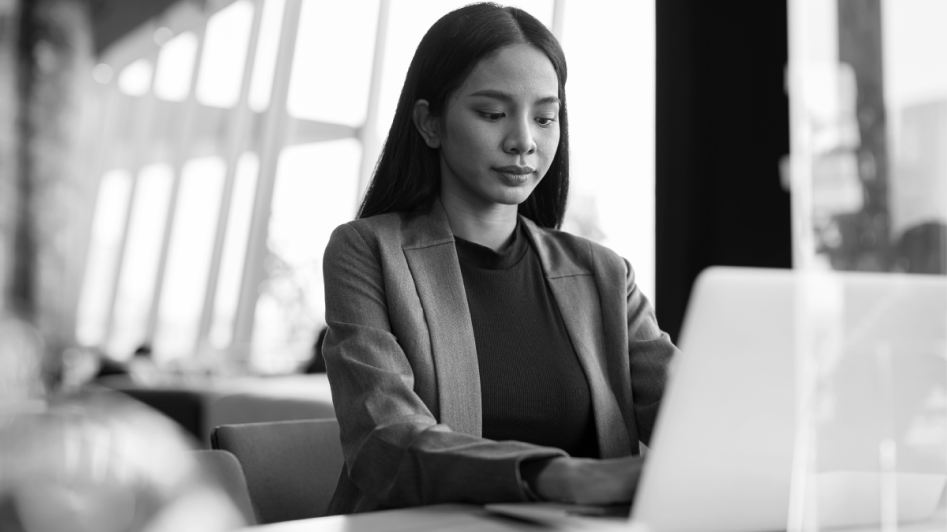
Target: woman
476, 354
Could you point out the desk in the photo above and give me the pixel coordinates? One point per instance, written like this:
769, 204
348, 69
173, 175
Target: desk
453, 517
468, 518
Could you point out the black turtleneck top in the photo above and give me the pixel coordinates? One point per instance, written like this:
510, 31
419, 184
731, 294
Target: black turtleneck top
532, 386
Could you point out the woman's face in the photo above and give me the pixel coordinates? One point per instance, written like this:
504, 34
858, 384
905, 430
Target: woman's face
500, 130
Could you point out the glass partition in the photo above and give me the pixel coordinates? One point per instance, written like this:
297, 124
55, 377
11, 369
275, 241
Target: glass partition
868, 174
869, 120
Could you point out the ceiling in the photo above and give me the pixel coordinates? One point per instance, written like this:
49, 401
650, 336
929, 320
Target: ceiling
112, 19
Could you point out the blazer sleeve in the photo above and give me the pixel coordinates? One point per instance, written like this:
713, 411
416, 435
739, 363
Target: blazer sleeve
650, 352
395, 450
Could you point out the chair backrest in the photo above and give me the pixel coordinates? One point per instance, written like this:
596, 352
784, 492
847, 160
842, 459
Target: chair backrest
291, 467
186, 407
224, 467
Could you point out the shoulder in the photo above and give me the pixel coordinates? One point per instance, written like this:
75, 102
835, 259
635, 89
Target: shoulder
562, 248
367, 232
424, 225
387, 235
372, 227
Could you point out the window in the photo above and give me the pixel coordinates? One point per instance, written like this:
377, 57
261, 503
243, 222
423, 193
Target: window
316, 189
192, 241
333, 87
224, 56
108, 228
175, 67
139, 272
234, 251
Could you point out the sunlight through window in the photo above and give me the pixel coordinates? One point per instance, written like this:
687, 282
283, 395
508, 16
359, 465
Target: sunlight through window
224, 55
327, 85
189, 255
175, 68
315, 192
613, 203
135, 79
108, 227
141, 259
235, 250
264, 64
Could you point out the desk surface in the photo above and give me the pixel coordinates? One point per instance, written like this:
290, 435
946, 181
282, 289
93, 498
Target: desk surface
467, 518
453, 517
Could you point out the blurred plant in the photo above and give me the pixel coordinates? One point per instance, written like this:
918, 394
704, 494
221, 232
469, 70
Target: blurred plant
290, 287
45, 49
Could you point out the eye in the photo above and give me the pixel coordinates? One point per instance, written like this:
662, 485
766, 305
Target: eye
545, 121
491, 115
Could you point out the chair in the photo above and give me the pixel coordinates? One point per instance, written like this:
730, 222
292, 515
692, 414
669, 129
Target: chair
183, 406
201, 407
224, 467
291, 467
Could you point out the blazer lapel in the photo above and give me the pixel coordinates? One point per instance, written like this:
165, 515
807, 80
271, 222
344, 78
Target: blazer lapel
576, 294
432, 258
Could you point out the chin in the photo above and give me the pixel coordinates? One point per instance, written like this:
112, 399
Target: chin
513, 195
512, 198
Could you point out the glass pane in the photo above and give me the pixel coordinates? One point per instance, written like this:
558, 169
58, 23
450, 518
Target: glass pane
869, 130
316, 186
135, 79
175, 67
332, 66
264, 64
189, 255
224, 55
608, 203
408, 21
108, 226
140, 262
915, 39
869, 184
235, 249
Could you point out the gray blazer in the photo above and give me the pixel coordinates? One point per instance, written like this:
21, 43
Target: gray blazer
402, 361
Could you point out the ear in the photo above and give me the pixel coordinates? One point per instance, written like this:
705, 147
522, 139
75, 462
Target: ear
428, 125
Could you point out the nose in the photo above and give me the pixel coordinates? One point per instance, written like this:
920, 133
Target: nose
519, 139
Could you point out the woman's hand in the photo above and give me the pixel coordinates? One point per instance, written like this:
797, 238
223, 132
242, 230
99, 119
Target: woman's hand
584, 480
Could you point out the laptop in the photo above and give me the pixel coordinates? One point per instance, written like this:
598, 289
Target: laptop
723, 450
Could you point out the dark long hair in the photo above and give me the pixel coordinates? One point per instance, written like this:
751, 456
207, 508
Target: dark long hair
408, 172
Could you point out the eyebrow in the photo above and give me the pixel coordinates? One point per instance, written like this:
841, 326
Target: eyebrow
505, 97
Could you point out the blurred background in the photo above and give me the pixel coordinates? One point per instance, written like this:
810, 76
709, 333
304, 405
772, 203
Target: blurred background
170, 171
205, 150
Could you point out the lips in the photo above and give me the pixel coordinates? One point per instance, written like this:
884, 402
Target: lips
515, 175
515, 170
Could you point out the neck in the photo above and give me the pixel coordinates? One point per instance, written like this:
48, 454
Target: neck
491, 227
